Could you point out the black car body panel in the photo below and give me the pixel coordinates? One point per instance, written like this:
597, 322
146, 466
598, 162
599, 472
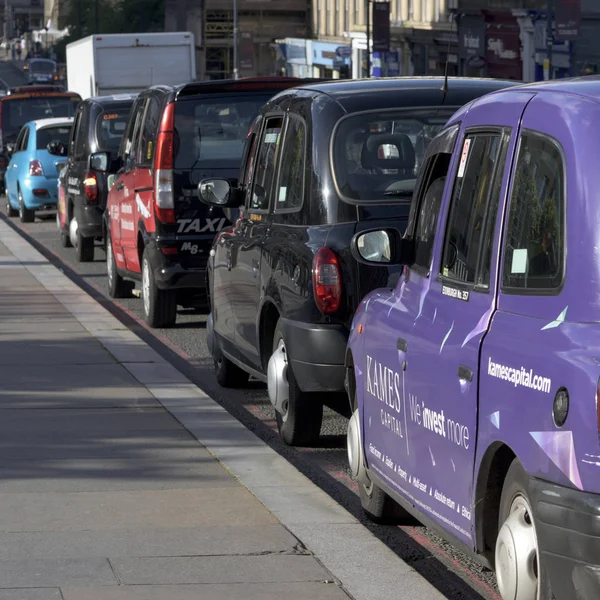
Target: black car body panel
261, 269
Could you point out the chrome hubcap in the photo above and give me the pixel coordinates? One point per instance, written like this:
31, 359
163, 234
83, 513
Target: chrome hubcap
21, 207
277, 383
146, 286
73, 232
355, 452
109, 261
517, 554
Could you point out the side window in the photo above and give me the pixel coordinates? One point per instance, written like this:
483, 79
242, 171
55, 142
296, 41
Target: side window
137, 113
290, 191
25, 140
19, 142
534, 249
74, 130
148, 131
266, 164
467, 255
81, 138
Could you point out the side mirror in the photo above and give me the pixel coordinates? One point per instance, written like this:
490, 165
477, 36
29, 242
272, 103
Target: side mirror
100, 161
110, 181
217, 192
56, 149
380, 247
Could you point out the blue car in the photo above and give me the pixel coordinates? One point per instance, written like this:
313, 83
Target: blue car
31, 177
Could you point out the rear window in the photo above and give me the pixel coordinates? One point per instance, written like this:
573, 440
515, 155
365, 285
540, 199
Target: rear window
110, 127
376, 155
42, 66
211, 131
58, 134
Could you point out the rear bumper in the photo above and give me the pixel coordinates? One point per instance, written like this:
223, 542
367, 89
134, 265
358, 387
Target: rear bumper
568, 530
169, 274
317, 354
39, 192
89, 219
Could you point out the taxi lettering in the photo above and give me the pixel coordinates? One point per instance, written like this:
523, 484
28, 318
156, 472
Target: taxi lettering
195, 225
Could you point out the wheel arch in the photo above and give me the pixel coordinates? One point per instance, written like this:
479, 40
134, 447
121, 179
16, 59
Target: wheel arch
488, 491
350, 380
269, 315
142, 239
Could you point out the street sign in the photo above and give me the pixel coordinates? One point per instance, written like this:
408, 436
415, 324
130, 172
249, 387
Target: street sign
344, 51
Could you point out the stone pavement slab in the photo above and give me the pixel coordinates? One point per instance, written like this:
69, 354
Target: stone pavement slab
31, 594
237, 591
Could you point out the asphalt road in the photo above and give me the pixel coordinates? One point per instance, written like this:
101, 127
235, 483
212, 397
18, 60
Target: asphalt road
450, 571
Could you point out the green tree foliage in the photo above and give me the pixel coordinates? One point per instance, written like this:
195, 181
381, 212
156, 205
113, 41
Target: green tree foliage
83, 18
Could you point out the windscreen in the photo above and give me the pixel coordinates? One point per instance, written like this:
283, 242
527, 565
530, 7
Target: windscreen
110, 126
58, 134
211, 130
42, 66
16, 111
376, 155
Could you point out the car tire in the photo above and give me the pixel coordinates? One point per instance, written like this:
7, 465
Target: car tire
117, 286
25, 214
518, 566
301, 424
10, 211
84, 250
228, 374
160, 306
379, 507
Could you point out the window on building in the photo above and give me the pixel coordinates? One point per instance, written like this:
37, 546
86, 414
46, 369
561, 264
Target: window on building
534, 251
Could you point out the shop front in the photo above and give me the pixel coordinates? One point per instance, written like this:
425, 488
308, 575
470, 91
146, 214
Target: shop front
431, 50
502, 45
294, 52
471, 46
330, 61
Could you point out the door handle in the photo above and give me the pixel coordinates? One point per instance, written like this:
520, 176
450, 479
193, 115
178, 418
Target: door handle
119, 186
401, 345
465, 373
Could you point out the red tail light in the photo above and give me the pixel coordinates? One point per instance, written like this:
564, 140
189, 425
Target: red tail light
327, 281
163, 168
90, 186
35, 168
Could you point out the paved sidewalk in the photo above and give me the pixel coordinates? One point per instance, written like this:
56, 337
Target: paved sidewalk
105, 495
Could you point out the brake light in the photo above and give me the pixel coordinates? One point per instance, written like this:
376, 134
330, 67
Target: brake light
327, 281
90, 187
35, 168
163, 168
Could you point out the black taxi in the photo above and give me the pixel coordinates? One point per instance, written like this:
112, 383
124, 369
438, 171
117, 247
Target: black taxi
98, 127
321, 163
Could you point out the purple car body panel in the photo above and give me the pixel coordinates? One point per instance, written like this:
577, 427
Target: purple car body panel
444, 381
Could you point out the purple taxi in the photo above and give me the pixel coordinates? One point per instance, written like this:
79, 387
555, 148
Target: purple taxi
474, 381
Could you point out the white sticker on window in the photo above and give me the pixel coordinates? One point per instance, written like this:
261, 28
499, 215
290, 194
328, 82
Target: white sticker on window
271, 138
463, 158
519, 261
282, 193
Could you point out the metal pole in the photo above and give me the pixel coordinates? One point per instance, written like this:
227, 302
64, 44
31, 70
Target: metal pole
235, 39
549, 36
368, 8
79, 19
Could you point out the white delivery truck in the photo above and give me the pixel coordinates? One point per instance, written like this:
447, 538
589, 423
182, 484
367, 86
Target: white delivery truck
120, 63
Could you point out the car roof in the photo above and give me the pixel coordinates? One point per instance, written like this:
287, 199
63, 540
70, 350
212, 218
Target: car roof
40, 123
113, 98
587, 86
371, 94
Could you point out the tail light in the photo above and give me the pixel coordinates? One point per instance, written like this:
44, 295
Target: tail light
163, 168
327, 281
90, 187
35, 168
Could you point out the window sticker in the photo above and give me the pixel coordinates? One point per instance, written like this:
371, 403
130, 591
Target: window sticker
271, 138
463, 158
127, 146
111, 116
282, 193
519, 261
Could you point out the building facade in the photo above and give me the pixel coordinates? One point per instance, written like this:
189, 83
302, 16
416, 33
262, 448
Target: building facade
20, 16
260, 23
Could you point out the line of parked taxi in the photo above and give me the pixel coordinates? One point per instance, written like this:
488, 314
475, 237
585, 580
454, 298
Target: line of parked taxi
400, 243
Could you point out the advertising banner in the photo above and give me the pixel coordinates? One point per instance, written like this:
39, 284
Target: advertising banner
381, 26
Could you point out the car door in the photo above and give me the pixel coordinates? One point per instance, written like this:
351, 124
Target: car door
11, 171
247, 243
437, 317
125, 188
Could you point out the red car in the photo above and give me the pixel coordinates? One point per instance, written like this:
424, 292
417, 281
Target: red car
158, 231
